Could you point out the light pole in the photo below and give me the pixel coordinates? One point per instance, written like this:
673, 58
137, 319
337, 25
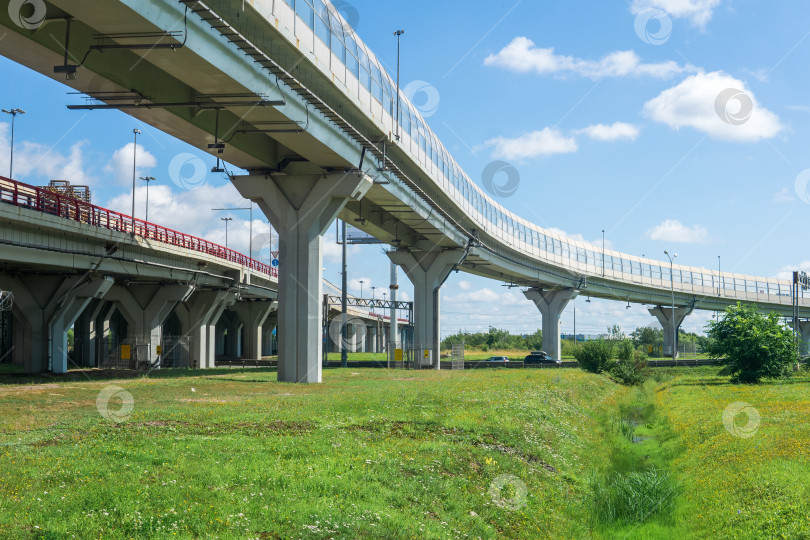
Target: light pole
147, 179
672, 288
226, 220
361, 288
250, 243
603, 252
719, 278
373, 293
13, 113
136, 132
398, 33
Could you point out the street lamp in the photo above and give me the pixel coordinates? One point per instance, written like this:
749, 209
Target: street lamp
250, 243
13, 113
672, 288
226, 220
398, 33
603, 252
719, 277
135, 132
373, 295
361, 288
147, 179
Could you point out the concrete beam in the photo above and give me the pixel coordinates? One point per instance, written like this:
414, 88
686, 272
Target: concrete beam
664, 316
426, 271
198, 316
551, 304
301, 208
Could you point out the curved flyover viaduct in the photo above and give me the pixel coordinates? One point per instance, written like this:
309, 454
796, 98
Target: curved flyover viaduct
286, 90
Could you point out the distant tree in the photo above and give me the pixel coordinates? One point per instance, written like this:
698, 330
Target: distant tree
754, 346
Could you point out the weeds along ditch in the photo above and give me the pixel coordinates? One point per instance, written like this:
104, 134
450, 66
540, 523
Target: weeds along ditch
635, 486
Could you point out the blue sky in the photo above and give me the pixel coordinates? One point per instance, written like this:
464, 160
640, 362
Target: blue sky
611, 112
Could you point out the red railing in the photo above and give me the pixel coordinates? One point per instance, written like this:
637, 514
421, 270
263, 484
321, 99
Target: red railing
42, 200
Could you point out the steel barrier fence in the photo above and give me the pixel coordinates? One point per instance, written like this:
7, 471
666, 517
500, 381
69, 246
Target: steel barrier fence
42, 200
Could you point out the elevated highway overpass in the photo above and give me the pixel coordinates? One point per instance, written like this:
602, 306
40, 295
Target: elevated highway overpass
72, 264
286, 90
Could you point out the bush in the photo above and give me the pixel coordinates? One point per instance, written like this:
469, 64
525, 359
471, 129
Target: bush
752, 345
594, 356
631, 368
625, 350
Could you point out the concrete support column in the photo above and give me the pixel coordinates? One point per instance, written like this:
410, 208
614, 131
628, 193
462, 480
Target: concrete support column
198, 316
551, 304
46, 307
267, 333
664, 316
427, 271
301, 208
372, 339
88, 332
253, 316
146, 307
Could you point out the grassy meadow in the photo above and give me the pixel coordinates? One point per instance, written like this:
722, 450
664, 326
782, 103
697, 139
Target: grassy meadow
373, 453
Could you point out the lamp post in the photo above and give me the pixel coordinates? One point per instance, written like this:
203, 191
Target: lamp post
147, 179
250, 242
719, 277
13, 113
226, 220
135, 132
398, 33
361, 288
373, 293
603, 252
672, 288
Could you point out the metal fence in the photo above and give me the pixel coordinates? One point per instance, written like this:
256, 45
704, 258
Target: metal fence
176, 352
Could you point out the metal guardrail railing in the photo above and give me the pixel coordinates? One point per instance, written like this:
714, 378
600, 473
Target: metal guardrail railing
47, 202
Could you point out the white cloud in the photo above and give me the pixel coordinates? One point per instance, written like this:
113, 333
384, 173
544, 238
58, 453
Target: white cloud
612, 132
464, 285
699, 12
696, 102
523, 56
120, 166
784, 195
787, 271
473, 299
545, 142
32, 159
672, 230
189, 211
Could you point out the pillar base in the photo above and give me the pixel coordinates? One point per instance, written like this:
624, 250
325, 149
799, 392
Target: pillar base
551, 304
301, 208
664, 316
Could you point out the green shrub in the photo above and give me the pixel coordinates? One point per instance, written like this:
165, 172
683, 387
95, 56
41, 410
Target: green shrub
752, 345
631, 367
625, 350
594, 356
634, 497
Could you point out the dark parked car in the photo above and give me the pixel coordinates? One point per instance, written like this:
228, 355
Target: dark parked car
540, 357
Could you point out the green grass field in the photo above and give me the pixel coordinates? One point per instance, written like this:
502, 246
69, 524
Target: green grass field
401, 454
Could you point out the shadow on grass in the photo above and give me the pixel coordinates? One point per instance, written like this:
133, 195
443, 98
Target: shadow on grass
92, 374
